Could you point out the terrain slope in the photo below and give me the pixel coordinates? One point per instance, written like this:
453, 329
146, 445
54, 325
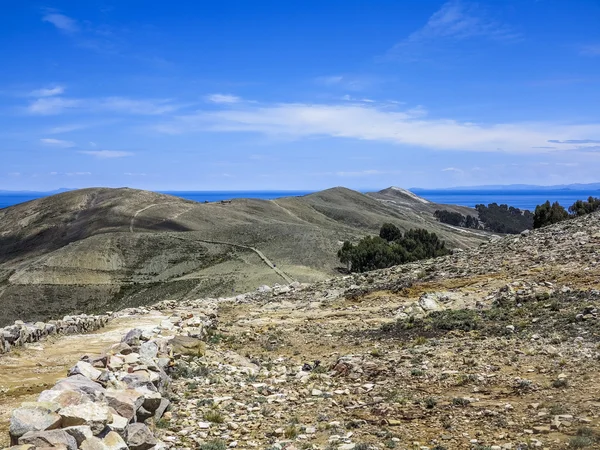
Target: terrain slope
496, 347
99, 249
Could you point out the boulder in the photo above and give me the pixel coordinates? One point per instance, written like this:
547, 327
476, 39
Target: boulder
63, 398
124, 402
85, 369
81, 384
94, 415
112, 441
54, 438
32, 418
185, 345
139, 437
79, 432
148, 351
132, 338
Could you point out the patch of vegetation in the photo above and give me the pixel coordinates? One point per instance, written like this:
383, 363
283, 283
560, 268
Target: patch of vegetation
460, 401
391, 248
504, 219
560, 383
430, 402
291, 432
585, 437
214, 416
548, 214
213, 445
183, 369
457, 219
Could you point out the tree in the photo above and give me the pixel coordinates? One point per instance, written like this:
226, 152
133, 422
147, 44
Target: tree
581, 208
376, 252
345, 254
548, 214
390, 232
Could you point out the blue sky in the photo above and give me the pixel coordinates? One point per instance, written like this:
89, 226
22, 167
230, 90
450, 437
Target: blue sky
306, 94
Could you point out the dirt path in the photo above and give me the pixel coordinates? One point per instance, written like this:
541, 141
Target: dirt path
260, 254
25, 372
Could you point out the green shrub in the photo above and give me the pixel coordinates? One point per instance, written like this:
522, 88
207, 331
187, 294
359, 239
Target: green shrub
213, 445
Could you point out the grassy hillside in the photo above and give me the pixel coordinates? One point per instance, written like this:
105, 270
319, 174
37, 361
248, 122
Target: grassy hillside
100, 249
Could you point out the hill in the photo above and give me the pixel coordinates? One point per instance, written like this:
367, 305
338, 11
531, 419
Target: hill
99, 249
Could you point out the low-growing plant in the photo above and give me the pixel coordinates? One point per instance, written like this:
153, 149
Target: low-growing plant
214, 416
291, 432
560, 383
460, 401
213, 445
430, 402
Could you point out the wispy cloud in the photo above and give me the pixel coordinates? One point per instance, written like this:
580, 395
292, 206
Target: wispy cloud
410, 127
223, 98
47, 92
57, 143
575, 141
590, 50
52, 105
348, 82
106, 154
452, 169
135, 174
62, 22
59, 105
77, 174
456, 20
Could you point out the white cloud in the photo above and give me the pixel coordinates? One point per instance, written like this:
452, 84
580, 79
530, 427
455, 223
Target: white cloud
78, 174
105, 154
47, 92
134, 174
52, 105
452, 169
59, 105
411, 127
223, 98
14, 174
57, 143
62, 22
455, 20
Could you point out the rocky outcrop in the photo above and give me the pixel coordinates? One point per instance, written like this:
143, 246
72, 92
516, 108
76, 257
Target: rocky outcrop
113, 401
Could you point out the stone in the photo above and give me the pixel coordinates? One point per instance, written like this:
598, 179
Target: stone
139, 437
124, 402
63, 398
53, 438
85, 369
79, 432
95, 415
185, 345
148, 350
32, 418
82, 384
132, 338
112, 441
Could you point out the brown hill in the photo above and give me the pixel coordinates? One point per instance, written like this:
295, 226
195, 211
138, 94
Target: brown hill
99, 249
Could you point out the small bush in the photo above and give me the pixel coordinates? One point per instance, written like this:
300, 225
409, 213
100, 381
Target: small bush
560, 383
430, 402
291, 432
214, 416
460, 401
213, 445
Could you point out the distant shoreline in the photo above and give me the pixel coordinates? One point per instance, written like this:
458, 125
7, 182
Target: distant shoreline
519, 198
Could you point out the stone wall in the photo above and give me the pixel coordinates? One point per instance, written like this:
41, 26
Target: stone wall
21, 333
112, 402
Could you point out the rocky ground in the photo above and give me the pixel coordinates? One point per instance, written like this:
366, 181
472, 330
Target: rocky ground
495, 348
492, 348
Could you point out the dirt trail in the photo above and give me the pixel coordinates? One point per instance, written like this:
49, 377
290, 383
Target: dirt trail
27, 371
260, 254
